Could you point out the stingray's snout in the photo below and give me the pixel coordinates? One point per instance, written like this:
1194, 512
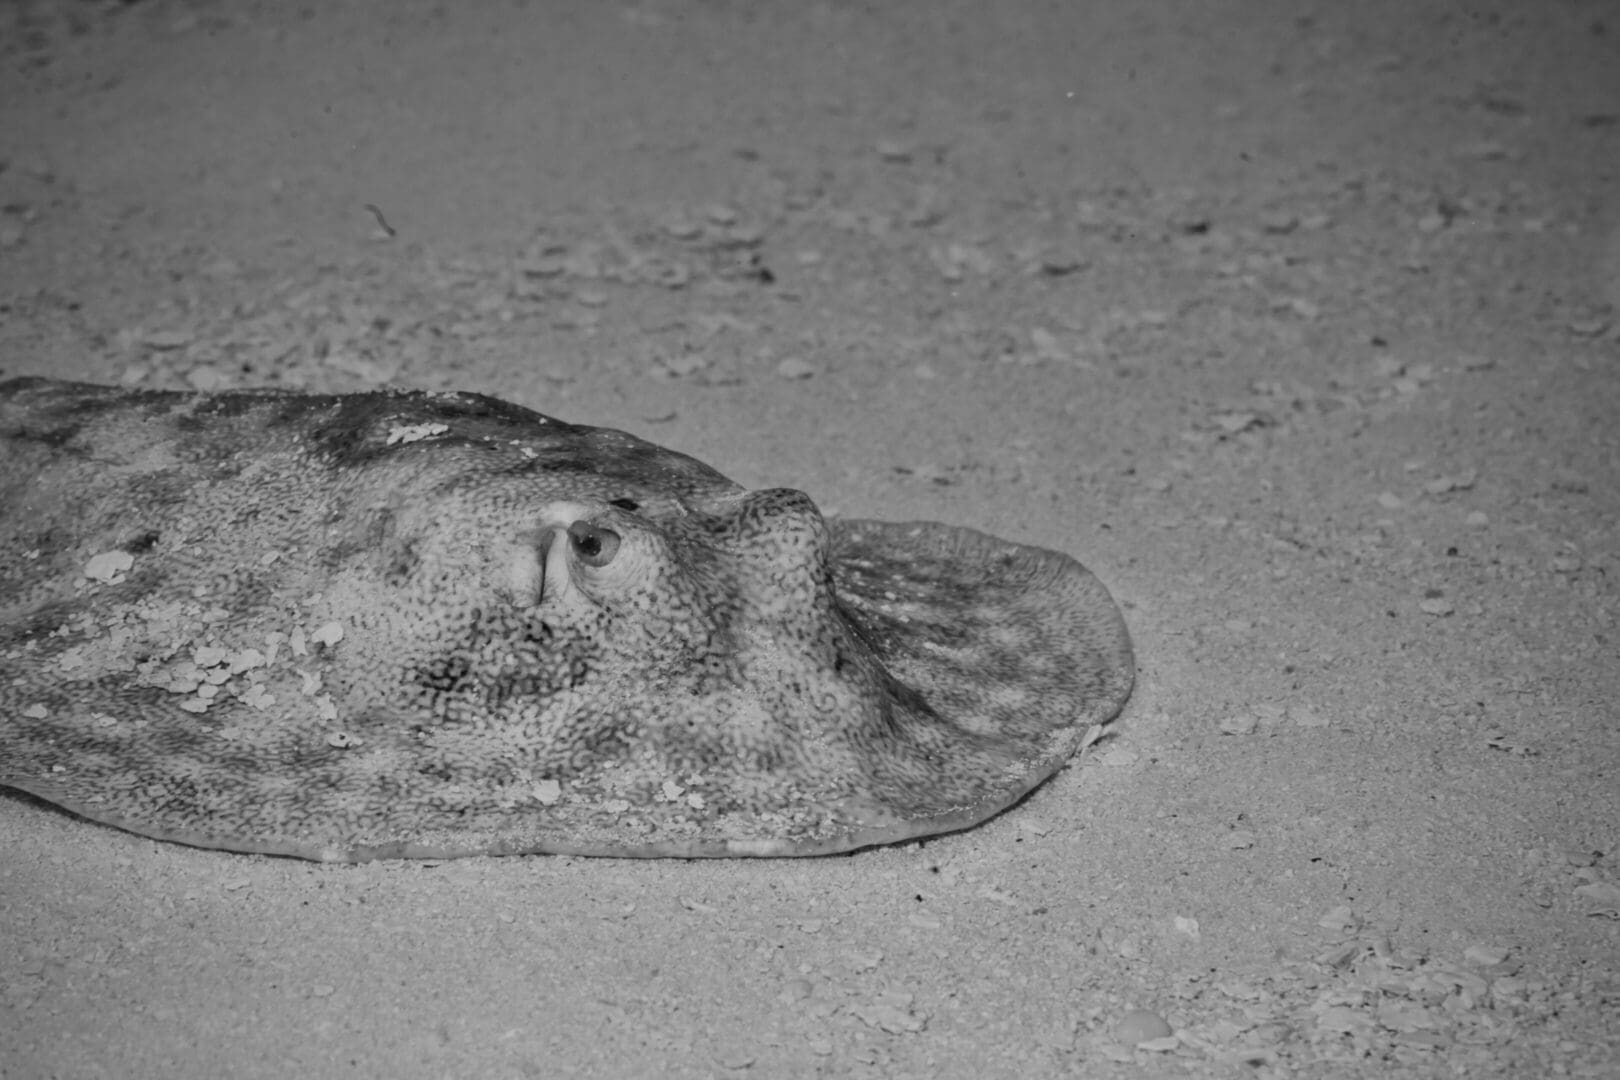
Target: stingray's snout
784, 518
781, 531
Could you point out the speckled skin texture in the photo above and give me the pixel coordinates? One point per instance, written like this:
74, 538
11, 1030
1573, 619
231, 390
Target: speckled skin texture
425, 625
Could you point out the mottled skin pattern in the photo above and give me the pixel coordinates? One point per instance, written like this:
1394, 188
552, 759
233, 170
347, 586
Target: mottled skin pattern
425, 625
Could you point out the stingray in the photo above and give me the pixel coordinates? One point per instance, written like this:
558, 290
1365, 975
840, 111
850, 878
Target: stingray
423, 625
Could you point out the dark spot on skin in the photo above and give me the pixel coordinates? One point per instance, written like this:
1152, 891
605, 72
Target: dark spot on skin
445, 674
579, 669
402, 564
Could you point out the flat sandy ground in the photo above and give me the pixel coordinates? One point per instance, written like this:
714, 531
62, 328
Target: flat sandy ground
1298, 322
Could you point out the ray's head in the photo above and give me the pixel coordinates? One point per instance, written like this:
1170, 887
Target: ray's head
676, 636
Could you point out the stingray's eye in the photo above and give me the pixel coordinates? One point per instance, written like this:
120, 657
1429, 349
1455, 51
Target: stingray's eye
594, 545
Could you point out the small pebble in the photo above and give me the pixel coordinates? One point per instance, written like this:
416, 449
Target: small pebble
893, 150
1460, 482
1279, 221
1343, 1019
794, 368
1388, 367
109, 566
205, 379
797, 990
1579, 856
1139, 1026
1485, 955
734, 1059
1485, 150
1340, 919
1047, 346
681, 227
1307, 716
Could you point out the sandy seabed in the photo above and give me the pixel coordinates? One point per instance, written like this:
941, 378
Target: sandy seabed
1297, 322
